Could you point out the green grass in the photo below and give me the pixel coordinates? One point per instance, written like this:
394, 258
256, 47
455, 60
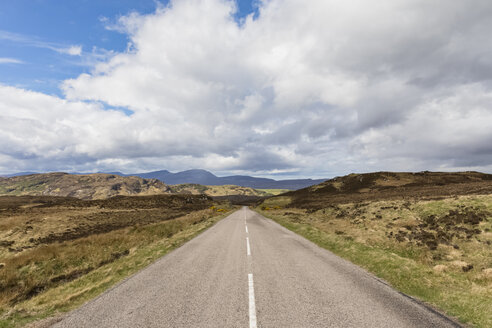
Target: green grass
274, 192
276, 202
407, 267
148, 243
440, 207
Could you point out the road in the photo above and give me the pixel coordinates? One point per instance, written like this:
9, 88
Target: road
248, 271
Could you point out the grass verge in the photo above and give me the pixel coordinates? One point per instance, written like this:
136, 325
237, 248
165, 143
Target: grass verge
452, 274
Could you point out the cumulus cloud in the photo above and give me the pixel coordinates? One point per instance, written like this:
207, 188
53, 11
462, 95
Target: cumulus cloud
319, 89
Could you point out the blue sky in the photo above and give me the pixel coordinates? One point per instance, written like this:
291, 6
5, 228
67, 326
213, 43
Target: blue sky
31, 30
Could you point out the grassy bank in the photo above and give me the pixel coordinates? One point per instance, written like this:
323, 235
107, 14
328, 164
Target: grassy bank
274, 192
436, 250
51, 276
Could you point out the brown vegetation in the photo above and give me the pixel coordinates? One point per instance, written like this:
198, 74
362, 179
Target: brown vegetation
49, 241
391, 185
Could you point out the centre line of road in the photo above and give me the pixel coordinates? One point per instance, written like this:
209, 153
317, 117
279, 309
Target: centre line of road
246, 229
247, 245
252, 307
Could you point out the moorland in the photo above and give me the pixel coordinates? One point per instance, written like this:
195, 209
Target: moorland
428, 234
58, 252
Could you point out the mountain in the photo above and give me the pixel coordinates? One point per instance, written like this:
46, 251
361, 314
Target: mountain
18, 174
204, 177
264, 183
87, 186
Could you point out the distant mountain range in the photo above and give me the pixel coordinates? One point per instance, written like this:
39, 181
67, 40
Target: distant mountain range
204, 177
18, 174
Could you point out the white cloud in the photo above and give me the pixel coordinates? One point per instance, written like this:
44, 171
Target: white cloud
72, 50
325, 88
7, 60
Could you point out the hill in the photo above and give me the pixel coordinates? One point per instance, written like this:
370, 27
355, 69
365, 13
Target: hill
88, 186
391, 185
214, 191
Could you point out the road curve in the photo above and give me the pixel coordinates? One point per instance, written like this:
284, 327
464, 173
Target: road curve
248, 271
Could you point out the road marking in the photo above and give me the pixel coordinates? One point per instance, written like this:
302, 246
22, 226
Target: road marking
252, 307
247, 244
246, 229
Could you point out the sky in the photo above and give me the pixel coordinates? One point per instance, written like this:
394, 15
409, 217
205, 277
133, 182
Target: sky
273, 88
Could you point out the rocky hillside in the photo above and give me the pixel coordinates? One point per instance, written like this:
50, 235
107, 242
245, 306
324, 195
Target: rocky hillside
89, 186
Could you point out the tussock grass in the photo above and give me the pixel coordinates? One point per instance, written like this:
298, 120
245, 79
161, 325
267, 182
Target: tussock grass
45, 279
436, 250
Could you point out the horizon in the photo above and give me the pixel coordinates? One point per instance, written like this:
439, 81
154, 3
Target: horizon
278, 178
273, 89
172, 172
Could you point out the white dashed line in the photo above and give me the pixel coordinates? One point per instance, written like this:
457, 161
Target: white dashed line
252, 307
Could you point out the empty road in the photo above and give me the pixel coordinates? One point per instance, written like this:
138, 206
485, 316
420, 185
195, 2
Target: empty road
248, 271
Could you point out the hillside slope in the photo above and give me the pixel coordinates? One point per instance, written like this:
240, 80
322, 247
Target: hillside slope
89, 186
391, 185
215, 191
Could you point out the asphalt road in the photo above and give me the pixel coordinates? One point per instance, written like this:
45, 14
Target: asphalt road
247, 271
